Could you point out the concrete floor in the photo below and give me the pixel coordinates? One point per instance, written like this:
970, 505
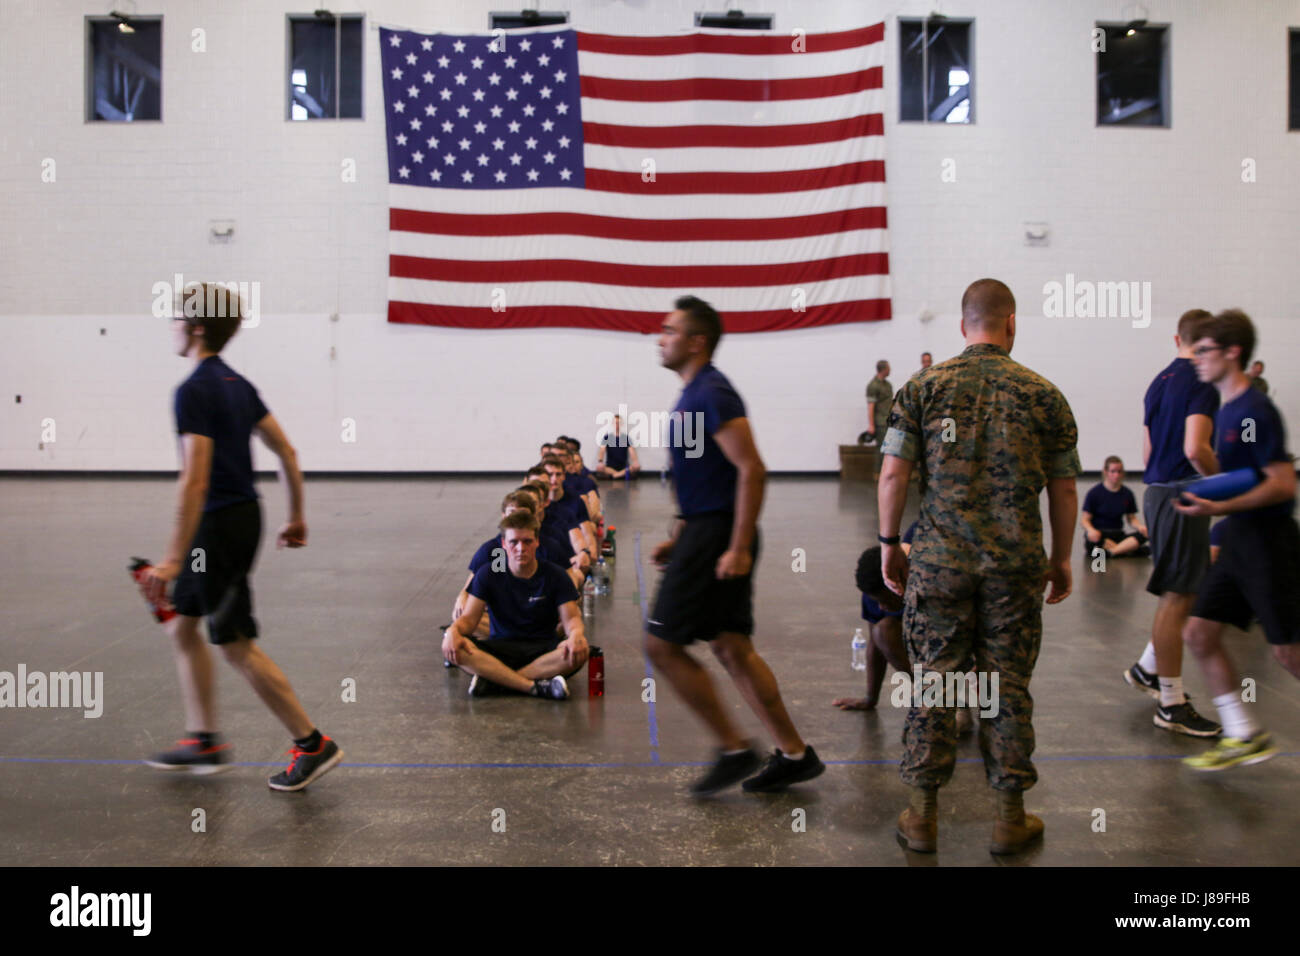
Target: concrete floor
583, 781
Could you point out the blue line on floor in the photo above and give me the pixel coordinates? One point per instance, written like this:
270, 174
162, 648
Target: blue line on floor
649, 672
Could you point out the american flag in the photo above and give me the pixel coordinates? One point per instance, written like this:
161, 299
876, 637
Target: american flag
559, 178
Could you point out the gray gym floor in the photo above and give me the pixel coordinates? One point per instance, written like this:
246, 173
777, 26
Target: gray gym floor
583, 781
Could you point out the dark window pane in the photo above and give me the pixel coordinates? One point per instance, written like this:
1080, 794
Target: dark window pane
313, 93
723, 21
1132, 89
126, 71
935, 70
518, 21
1295, 80
911, 64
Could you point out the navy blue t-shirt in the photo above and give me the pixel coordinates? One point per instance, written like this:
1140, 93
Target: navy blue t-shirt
1171, 397
525, 609
484, 553
1216, 534
1109, 508
568, 512
705, 480
218, 402
615, 454
871, 609
578, 484
1250, 434
556, 527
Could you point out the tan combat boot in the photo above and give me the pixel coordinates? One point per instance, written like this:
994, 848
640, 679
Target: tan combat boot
1014, 829
918, 825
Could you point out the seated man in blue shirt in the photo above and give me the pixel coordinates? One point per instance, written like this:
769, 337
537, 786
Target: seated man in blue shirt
527, 600
1106, 508
568, 510
617, 455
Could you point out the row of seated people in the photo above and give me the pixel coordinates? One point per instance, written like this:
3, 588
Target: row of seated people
516, 624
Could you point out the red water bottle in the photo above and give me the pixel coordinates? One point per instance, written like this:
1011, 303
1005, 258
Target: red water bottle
595, 672
162, 611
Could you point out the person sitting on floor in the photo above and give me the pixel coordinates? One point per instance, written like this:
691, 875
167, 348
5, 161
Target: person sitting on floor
1107, 508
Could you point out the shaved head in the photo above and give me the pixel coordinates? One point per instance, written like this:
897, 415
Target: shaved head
987, 304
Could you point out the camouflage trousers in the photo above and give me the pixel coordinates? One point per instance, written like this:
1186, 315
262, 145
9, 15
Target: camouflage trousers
949, 619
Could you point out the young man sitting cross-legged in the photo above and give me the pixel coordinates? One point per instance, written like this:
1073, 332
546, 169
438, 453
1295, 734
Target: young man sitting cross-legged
527, 600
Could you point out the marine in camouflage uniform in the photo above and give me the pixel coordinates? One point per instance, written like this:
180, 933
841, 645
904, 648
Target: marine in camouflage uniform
986, 434
881, 393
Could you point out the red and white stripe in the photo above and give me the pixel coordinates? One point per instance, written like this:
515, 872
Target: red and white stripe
768, 198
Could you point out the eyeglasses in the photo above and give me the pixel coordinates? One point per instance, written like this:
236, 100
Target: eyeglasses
1206, 349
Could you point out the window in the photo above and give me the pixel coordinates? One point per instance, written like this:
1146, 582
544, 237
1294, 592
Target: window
1133, 75
1294, 123
935, 70
734, 20
124, 69
324, 66
526, 18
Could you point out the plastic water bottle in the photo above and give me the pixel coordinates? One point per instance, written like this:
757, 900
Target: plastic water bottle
859, 647
601, 577
589, 597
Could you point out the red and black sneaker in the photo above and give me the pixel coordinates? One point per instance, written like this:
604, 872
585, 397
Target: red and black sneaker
307, 765
191, 756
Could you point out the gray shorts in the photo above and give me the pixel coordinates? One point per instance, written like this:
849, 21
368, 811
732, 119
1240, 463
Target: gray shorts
1180, 544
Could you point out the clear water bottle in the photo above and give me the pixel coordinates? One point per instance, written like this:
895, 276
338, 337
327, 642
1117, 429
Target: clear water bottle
601, 577
859, 647
589, 597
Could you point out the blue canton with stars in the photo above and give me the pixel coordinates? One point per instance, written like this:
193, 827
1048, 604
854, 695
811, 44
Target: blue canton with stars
464, 114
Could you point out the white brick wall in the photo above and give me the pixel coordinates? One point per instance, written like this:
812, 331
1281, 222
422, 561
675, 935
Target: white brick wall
131, 206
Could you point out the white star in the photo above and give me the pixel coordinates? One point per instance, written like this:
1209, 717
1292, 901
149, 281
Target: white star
482, 159
410, 58
449, 159
435, 175
500, 175
510, 62
525, 45
431, 111
463, 144
396, 73
478, 96
462, 111
445, 93
404, 173
532, 175
564, 142
526, 78
512, 94
548, 125
561, 108
477, 63
432, 142
415, 123
494, 79
529, 109
480, 127
459, 46
394, 40
446, 126
515, 159
460, 79
412, 92
426, 44
565, 174
443, 62
514, 126
417, 157
401, 139
543, 60
530, 143
467, 176
428, 77
498, 143
557, 42
549, 157
496, 112
545, 92
399, 107
559, 76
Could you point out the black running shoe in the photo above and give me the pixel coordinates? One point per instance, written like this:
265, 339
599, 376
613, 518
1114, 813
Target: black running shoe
730, 769
781, 771
187, 755
557, 688
1139, 679
482, 687
307, 766
1183, 719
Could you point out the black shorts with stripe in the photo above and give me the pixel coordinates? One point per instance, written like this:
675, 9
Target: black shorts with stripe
692, 604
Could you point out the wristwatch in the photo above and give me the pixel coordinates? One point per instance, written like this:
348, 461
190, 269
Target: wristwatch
892, 539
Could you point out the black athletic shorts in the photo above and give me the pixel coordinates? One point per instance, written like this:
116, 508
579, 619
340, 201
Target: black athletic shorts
692, 604
215, 584
517, 654
1180, 544
1257, 576
1110, 534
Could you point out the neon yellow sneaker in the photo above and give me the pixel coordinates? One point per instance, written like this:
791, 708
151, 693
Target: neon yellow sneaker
1231, 752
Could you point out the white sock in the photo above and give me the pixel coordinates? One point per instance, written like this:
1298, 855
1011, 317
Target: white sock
1236, 719
798, 756
1171, 691
1148, 659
